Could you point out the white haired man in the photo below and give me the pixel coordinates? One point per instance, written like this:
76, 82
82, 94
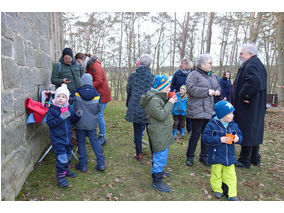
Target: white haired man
249, 100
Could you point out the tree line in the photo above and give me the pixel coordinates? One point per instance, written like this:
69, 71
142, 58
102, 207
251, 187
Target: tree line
120, 38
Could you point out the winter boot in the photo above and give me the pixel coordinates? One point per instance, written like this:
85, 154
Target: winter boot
182, 133
158, 182
175, 133
69, 173
61, 181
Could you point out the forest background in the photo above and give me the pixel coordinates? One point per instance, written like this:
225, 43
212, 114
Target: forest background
120, 38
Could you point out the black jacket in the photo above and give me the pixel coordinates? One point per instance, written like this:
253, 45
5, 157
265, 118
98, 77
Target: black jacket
250, 84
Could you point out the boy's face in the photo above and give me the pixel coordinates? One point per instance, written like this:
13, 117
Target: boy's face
228, 118
181, 91
166, 89
61, 99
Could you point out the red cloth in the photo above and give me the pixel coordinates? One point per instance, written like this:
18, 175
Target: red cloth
100, 81
36, 108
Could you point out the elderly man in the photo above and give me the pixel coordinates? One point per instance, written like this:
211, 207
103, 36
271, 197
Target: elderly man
249, 100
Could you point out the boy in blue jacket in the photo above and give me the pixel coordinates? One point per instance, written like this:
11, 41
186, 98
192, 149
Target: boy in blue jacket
88, 99
60, 116
179, 112
221, 150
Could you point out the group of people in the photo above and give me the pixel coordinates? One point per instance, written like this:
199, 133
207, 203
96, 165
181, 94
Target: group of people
210, 104
202, 101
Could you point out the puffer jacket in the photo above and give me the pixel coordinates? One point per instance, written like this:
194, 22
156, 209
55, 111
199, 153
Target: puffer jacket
139, 82
220, 153
180, 106
87, 98
157, 109
200, 105
60, 130
72, 72
95, 68
179, 79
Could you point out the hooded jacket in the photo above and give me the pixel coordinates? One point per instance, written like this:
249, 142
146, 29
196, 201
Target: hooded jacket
179, 79
180, 106
60, 130
87, 98
220, 153
157, 109
95, 68
72, 72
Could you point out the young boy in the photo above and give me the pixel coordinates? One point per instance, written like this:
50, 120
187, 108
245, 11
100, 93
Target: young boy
179, 111
157, 108
60, 116
221, 150
87, 98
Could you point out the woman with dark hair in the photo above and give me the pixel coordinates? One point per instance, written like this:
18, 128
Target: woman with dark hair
225, 83
82, 59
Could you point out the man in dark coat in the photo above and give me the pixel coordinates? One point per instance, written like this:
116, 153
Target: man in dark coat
249, 100
139, 82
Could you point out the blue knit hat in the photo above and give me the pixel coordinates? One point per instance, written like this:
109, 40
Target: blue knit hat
86, 79
161, 81
223, 108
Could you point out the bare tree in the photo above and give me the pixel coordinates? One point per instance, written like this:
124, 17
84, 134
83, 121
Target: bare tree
209, 32
280, 47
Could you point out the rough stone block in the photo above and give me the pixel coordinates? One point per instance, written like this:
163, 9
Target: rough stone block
20, 51
42, 60
6, 47
7, 103
27, 80
10, 73
30, 57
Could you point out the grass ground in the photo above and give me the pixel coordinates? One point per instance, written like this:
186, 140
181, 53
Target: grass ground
126, 179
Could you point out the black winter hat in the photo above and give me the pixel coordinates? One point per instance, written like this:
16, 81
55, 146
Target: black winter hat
67, 51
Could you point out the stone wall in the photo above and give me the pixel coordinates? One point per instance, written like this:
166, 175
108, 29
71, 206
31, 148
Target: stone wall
30, 43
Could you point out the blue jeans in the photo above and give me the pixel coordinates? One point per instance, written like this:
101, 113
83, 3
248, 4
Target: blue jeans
101, 120
96, 146
160, 160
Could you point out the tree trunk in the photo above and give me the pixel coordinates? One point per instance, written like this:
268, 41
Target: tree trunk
174, 44
209, 33
184, 35
254, 26
280, 45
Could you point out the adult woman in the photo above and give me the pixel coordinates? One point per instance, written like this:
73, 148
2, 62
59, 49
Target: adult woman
139, 82
226, 84
66, 71
179, 78
82, 59
94, 67
202, 86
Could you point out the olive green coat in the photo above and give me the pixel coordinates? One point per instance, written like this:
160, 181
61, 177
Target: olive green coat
158, 109
72, 72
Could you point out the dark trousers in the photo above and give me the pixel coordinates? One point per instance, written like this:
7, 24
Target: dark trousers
63, 154
138, 134
179, 120
249, 154
188, 125
197, 127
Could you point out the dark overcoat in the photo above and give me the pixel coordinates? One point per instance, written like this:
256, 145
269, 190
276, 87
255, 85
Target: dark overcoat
250, 84
226, 88
139, 82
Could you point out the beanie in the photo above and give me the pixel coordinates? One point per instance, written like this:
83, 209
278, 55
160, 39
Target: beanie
86, 79
67, 51
62, 90
184, 87
161, 81
223, 108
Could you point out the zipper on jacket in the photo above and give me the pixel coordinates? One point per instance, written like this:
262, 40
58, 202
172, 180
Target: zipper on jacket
214, 154
67, 131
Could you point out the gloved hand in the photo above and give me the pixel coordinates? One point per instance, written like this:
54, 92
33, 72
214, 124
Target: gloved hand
80, 112
65, 115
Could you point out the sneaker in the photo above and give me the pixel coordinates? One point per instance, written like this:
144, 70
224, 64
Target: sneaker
189, 162
70, 174
138, 157
241, 165
233, 199
62, 182
100, 168
82, 169
218, 195
161, 186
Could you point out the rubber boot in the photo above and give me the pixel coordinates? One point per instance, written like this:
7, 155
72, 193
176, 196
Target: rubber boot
175, 133
158, 182
182, 133
61, 181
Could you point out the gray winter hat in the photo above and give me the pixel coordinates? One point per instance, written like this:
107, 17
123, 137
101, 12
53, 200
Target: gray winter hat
86, 79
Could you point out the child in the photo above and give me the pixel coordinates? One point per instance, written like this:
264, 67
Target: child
87, 98
221, 150
157, 108
60, 116
179, 111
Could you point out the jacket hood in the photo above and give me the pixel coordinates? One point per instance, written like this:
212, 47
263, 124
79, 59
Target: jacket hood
92, 60
87, 92
149, 95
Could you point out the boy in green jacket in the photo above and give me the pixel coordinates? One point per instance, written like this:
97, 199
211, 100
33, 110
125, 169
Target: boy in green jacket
158, 108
